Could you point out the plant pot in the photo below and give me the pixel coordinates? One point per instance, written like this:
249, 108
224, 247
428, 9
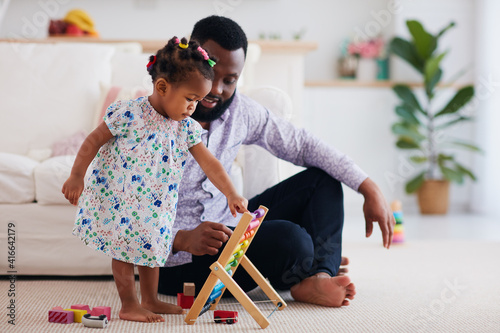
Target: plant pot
367, 70
433, 197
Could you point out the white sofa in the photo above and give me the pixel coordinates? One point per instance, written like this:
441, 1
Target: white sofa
52, 97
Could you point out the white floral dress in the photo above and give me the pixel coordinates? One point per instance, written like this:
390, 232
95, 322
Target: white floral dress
129, 202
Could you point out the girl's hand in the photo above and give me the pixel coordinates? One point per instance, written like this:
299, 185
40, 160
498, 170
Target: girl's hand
237, 203
72, 189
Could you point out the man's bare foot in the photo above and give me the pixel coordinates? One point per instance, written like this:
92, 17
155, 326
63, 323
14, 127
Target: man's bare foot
343, 270
324, 290
158, 306
138, 313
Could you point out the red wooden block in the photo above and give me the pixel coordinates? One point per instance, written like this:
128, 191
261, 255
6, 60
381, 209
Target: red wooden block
81, 307
101, 310
184, 301
62, 317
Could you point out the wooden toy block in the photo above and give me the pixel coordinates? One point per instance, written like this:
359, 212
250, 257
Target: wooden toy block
81, 307
189, 289
78, 314
185, 301
58, 308
61, 316
101, 310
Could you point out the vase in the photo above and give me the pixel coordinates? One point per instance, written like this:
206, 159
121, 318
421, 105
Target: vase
382, 69
367, 69
433, 197
347, 67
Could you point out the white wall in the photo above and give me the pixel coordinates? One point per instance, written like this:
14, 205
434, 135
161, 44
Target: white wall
488, 100
326, 21
356, 120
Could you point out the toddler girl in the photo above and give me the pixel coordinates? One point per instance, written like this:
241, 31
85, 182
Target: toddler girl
138, 153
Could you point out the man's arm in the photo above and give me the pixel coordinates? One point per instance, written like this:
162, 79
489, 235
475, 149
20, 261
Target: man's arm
302, 148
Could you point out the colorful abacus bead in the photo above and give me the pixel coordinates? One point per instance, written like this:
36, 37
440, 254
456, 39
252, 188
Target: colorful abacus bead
259, 213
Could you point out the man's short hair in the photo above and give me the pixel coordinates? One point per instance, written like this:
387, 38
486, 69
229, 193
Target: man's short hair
221, 30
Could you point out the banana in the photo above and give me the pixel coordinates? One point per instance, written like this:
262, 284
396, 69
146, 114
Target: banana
81, 19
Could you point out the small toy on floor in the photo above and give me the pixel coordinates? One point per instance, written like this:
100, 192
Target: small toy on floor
397, 211
189, 289
95, 322
101, 310
228, 317
61, 316
185, 301
77, 312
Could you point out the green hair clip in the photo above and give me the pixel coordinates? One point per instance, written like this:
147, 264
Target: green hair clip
211, 62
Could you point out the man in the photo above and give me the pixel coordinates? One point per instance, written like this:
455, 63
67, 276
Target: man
298, 247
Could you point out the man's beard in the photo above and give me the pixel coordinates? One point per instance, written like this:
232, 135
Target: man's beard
201, 114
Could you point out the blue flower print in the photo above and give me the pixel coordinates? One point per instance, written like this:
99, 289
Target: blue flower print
124, 220
147, 246
165, 158
129, 115
85, 221
157, 203
152, 136
101, 180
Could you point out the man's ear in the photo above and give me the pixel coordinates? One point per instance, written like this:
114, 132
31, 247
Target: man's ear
162, 86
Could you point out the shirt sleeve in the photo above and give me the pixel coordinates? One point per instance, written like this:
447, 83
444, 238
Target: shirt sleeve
300, 147
194, 131
119, 118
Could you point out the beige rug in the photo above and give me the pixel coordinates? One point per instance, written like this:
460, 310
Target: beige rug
449, 286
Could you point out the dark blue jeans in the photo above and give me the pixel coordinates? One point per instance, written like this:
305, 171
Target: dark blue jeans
300, 236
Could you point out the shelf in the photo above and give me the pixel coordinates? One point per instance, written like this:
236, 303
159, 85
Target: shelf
348, 83
154, 45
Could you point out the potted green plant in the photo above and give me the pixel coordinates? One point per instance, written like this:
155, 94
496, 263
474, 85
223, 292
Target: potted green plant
421, 123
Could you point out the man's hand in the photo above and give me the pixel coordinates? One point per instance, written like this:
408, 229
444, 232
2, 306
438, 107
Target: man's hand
207, 238
376, 209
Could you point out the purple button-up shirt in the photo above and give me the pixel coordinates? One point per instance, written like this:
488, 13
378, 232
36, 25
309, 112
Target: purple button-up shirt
247, 122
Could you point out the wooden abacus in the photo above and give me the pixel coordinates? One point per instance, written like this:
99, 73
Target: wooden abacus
222, 270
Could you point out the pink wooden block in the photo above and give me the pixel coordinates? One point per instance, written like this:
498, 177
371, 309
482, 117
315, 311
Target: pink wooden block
58, 308
81, 307
62, 317
101, 310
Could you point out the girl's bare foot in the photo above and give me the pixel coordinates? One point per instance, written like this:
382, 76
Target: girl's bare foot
324, 290
138, 313
158, 306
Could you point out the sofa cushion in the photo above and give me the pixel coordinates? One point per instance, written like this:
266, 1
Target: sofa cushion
49, 91
16, 178
50, 176
111, 94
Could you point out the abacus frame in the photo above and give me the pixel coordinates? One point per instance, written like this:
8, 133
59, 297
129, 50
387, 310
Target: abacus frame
218, 272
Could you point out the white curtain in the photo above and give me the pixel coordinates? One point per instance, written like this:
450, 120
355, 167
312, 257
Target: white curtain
486, 198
